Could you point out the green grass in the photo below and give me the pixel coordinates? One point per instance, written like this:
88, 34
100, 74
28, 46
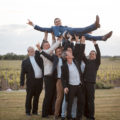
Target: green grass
107, 105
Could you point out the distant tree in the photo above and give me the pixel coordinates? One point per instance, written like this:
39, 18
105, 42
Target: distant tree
12, 56
115, 58
0, 57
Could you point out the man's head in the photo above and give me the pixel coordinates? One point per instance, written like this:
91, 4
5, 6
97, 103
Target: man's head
67, 55
31, 51
58, 51
45, 45
92, 55
57, 22
69, 49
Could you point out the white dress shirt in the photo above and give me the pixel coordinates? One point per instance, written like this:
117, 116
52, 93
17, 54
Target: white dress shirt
48, 65
74, 76
36, 68
59, 68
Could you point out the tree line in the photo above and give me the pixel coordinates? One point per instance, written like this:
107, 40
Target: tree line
12, 56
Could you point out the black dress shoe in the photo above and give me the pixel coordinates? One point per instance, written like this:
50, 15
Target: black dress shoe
28, 114
73, 118
45, 116
78, 119
35, 114
62, 118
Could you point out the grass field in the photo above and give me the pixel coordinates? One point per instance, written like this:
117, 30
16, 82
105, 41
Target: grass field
107, 105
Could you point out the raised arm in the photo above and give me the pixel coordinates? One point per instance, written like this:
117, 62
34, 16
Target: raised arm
98, 55
45, 36
36, 27
79, 48
51, 58
55, 45
53, 38
85, 59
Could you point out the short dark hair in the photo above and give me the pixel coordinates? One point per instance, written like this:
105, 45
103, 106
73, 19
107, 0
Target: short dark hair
56, 19
58, 48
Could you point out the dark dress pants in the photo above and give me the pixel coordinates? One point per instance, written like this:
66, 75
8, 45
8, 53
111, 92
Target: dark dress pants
33, 91
49, 95
89, 108
75, 90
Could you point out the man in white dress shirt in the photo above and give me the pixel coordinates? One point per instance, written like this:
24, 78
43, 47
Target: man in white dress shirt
72, 79
32, 70
49, 80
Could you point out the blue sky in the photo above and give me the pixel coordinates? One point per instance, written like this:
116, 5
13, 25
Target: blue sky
16, 35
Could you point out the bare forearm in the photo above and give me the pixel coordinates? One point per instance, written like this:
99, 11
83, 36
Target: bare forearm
45, 36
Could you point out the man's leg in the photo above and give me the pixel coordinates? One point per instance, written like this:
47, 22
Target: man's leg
74, 108
98, 38
38, 89
71, 96
91, 97
90, 37
59, 89
29, 96
85, 111
52, 103
81, 31
80, 102
64, 108
49, 91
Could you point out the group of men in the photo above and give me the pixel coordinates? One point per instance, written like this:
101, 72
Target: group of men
69, 77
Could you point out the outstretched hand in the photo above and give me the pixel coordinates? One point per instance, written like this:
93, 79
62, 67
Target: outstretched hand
38, 46
30, 22
76, 38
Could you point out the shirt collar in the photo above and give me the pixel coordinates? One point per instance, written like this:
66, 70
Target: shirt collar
31, 57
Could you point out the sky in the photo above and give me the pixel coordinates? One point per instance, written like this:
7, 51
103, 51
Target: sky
16, 35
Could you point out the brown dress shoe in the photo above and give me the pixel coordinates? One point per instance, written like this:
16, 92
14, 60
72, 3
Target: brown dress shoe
108, 35
97, 21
